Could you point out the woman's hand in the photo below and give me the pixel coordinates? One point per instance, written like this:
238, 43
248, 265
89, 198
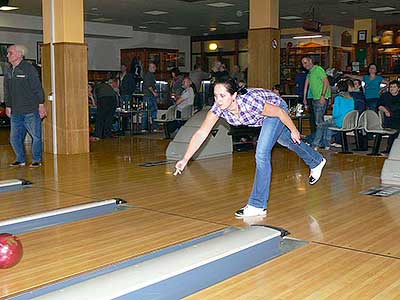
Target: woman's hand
295, 134
180, 166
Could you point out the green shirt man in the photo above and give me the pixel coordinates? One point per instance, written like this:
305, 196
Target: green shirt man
316, 79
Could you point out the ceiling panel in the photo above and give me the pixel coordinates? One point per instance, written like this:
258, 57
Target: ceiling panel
196, 17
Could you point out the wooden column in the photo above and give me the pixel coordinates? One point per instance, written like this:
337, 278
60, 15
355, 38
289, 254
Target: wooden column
70, 69
264, 44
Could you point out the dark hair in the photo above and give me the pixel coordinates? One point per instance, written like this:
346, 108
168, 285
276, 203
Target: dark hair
342, 86
350, 82
395, 82
176, 71
277, 87
231, 85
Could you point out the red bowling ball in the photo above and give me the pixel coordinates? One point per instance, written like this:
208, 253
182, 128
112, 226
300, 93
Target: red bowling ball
10, 250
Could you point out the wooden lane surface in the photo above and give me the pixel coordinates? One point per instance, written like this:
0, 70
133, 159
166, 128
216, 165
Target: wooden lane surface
314, 272
60, 252
331, 212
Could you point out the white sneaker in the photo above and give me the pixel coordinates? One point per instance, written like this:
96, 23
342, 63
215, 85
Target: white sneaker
316, 172
250, 211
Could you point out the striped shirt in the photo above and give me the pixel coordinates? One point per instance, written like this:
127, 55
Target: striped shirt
251, 107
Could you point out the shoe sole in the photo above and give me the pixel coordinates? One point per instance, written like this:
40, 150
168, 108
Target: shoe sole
324, 161
258, 215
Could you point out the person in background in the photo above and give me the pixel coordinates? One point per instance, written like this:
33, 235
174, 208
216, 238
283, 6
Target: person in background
126, 86
150, 97
343, 104
300, 81
318, 89
24, 98
372, 86
106, 99
176, 82
184, 100
356, 91
390, 105
276, 89
237, 74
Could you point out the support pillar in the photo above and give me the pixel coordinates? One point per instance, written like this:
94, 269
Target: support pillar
66, 129
264, 44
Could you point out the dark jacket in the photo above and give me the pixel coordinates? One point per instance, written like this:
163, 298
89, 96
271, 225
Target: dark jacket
127, 85
359, 101
23, 91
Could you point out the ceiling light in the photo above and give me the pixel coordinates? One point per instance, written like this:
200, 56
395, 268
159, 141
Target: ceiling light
385, 8
220, 4
101, 19
291, 18
177, 27
229, 23
156, 12
142, 27
343, 12
213, 29
6, 8
212, 46
94, 8
307, 36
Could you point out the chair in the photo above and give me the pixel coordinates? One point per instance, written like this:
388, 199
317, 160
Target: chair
372, 123
173, 114
350, 122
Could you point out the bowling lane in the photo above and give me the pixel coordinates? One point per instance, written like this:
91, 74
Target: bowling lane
60, 252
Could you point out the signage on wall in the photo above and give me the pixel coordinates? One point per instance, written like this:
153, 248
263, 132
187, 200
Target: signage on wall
274, 43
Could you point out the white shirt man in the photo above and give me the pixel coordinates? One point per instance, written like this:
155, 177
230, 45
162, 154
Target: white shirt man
187, 96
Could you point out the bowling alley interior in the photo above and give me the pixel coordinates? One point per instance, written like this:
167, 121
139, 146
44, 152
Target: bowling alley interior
102, 197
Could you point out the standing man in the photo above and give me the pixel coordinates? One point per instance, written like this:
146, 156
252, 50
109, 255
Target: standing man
319, 90
150, 96
126, 85
24, 99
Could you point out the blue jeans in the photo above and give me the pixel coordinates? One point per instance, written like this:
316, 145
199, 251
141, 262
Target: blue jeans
272, 131
151, 103
20, 124
319, 112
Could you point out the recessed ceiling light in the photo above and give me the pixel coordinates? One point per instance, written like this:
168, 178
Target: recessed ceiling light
307, 36
154, 22
156, 12
220, 4
229, 23
6, 8
142, 27
393, 12
177, 27
384, 8
101, 19
213, 28
291, 18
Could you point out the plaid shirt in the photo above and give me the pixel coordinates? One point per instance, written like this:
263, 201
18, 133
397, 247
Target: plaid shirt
251, 107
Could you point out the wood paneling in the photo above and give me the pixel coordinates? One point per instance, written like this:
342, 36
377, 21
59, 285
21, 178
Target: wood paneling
264, 60
71, 98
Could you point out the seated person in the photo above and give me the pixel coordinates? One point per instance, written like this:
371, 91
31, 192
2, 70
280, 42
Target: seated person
390, 104
184, 100
360, 104
356, 91
343, 104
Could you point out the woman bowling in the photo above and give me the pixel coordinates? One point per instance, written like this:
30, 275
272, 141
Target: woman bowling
255, 107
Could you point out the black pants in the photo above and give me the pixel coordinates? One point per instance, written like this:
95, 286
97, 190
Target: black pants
104, 116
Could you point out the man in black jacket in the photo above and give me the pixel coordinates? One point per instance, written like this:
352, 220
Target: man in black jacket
24, 98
